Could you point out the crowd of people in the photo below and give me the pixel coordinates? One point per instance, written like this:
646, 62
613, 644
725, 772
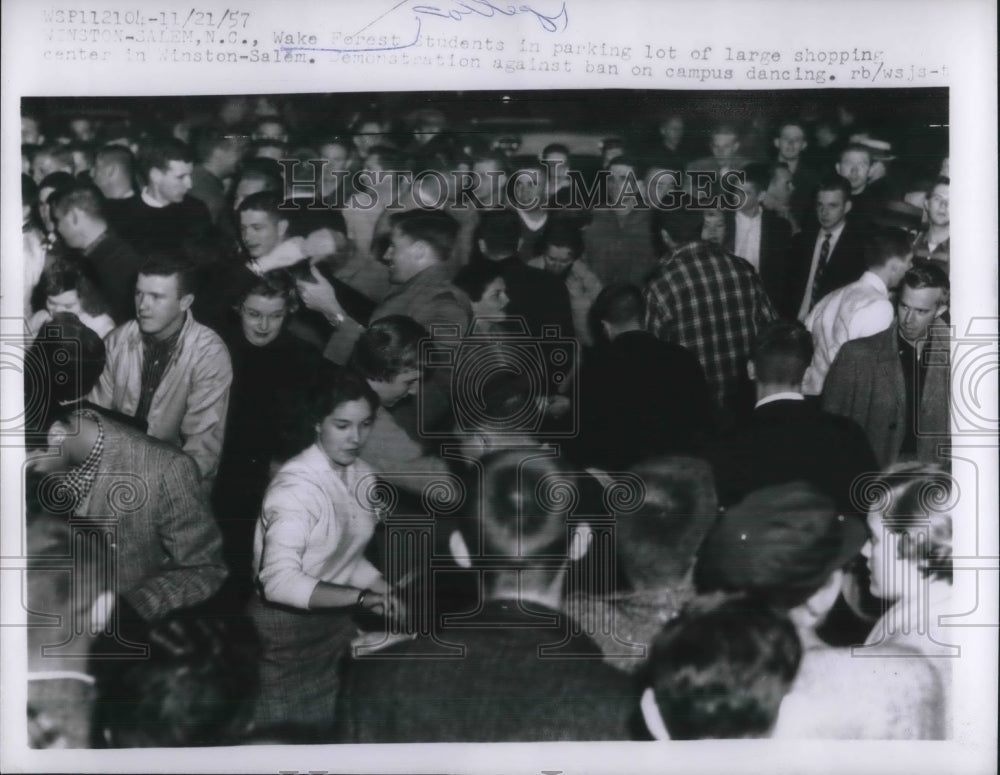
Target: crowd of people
386, 433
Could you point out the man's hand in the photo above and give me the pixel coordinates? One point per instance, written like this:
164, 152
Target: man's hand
324, 243
287, 253
317, 294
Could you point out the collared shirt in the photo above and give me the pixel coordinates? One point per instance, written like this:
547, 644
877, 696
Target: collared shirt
857, 310
155, 357
79, 480
817, 249
712, 303
785, 395
747, 240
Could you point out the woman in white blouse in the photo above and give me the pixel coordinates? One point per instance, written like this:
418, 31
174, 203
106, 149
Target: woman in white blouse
308, 560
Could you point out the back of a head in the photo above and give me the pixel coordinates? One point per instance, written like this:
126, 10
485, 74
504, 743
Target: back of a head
196, 687
524, 502
387, 348
782, 353
61, 366
721, 669
758, 174
563, 232
619, 304
86, 199
500, 231
658, 541
781, 543
117, 156
886, 244
433, 227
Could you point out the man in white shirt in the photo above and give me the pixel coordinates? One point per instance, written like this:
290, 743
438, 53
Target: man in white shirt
860, 309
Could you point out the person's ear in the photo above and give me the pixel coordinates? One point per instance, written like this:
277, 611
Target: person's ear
606, 328
839, 167
186, 301
282, 228
667, 239
942, 308
459, 549
482, 246
752, 370
651, 715
777, 142
580, 540
101, 610
847, 206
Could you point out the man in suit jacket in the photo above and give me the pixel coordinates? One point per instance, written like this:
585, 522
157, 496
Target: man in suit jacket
895, 384
512, 670
788, 438
166, 546
815, 270
760, 236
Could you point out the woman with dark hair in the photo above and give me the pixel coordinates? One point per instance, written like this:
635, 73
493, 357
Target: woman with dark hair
309, 559
271, 368
484, 283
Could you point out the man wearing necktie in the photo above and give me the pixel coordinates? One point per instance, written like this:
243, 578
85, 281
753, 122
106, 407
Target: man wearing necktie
827, 257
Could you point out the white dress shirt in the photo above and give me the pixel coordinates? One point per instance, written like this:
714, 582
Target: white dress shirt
747, 240
857, 310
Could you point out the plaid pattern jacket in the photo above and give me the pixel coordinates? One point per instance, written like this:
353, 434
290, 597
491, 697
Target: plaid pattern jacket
163, 538
712, 303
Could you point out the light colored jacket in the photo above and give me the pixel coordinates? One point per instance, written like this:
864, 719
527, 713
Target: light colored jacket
190, 404
314, 526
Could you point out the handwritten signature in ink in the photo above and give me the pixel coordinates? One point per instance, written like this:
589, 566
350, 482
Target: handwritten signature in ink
485, 9
456, 11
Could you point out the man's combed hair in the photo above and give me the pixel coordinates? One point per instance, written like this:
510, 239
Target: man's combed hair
85, 197
928, 275
169, 265
432, 227
835, 183
721, 670
157, 154
267, 201
782, 353
387, 348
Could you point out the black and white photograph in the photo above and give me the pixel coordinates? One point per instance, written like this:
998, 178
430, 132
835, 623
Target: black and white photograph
649, 413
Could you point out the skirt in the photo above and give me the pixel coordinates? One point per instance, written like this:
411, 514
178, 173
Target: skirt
301, 654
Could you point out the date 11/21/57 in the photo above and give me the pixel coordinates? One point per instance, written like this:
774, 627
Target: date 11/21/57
226, 19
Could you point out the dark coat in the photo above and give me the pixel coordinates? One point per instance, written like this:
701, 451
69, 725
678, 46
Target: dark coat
866, 384
114, 265
498, 686
786, 441
775, 237
640, 396
845, 265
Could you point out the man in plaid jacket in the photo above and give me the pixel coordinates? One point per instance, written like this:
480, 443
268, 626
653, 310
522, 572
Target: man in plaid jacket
711, 303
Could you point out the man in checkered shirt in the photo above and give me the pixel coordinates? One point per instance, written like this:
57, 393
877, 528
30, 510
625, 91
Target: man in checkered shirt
712, 303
